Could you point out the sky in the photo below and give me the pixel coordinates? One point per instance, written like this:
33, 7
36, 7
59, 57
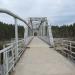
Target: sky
58, 12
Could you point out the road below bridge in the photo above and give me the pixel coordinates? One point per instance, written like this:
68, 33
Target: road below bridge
39, 59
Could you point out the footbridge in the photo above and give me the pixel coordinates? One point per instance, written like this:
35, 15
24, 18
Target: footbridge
38, 53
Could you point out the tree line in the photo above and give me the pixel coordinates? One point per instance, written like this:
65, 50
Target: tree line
7, 31
65, 31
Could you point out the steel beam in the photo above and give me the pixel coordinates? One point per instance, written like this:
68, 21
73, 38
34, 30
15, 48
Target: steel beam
13, 15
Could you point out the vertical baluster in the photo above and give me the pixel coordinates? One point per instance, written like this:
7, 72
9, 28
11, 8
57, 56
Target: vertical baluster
6, 60
67, 49
62, 47
4, 63
13, 57
70, 49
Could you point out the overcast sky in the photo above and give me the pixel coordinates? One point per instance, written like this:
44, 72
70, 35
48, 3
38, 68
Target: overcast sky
58, 11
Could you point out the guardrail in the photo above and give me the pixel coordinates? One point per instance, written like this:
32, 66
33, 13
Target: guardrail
67, 48
9, 55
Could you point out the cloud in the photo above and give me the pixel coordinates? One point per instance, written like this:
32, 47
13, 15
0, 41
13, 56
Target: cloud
57, 11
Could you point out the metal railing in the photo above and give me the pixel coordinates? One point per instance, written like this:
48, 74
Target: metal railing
47, 36
12, 53
9, 55
67, 48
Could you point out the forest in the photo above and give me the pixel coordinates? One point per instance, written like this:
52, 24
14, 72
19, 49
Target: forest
64, 31
7, 31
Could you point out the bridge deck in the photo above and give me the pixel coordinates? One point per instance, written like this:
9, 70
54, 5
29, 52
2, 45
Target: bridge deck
39, 59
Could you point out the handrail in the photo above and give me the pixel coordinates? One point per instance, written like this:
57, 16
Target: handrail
9, 55
69, 41
14, 15
67, 48
3, 50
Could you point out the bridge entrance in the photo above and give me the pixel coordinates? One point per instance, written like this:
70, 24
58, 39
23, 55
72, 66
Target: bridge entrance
35, 33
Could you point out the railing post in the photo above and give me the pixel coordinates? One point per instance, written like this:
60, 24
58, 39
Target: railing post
5, 63
13, 57
62, 43
70, 49
16, 39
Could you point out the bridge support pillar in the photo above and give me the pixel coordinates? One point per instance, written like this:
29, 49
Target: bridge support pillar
51, 37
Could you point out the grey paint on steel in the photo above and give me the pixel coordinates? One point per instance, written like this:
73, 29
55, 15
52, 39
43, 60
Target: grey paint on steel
14, 15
